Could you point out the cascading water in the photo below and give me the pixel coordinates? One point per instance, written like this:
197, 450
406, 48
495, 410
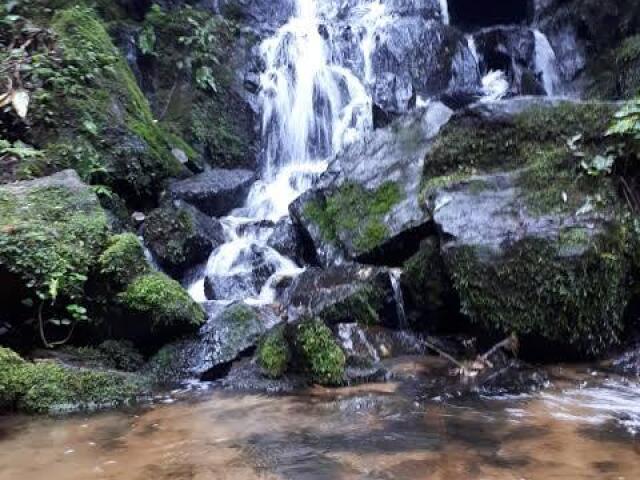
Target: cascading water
311, 108
546, 63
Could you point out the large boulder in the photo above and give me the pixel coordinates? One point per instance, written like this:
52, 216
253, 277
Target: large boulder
215, 192
533, 244
365, 207
52, 230
181, 237
415, 57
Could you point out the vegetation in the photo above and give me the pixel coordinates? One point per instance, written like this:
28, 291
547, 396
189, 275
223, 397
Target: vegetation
123, 260
163, 301
321, 356
274, 354
354, 214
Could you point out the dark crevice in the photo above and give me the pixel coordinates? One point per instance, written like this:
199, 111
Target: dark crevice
475, 14
399, 249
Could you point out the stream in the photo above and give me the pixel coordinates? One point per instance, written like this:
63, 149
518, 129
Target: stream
582, 427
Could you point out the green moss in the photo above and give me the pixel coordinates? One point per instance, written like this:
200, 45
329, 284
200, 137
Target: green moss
98, 111
46, 387
50, 236
354, 213
321, 355
534, 141
123, 260
574, 296
240, 314
163, 300
274, 354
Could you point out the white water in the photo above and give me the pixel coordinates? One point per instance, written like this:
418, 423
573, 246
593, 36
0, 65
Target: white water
444, 11
546, 63
311, 108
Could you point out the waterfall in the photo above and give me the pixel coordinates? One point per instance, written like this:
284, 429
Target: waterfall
444, 11
311, 108
546, 63
394, 276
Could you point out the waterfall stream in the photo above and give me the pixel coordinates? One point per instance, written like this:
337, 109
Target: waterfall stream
314, 101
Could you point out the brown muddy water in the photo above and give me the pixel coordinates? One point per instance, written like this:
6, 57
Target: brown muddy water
581, 427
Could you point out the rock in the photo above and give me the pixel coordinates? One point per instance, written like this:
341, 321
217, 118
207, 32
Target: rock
215, 192
501, 185
343, 294
122, 261
52, 231
365, 207
181, 237
245, 277
415, 57
513, 51
285, 240
229, 332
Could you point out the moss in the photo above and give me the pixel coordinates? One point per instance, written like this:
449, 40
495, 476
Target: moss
50, 236
47, 387
123, 260
354, 213
99, 112
110, 354
322, 357
536, 142
274, 353
574, 296
240, 314
163, 300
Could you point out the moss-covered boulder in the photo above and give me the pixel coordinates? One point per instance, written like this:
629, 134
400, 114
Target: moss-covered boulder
532, 233
45, 387
181, 237
157, 309
365, 207
123, 260
52, 230
317, 352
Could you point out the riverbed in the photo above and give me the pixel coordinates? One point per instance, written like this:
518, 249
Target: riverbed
582, 426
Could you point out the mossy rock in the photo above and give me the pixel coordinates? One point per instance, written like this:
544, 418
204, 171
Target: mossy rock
353, 216
318, 352
52, 230
109, 355
274, 353
570, 290
88, 113
163, 302
181, 237
123, 260
46, 387
534, 136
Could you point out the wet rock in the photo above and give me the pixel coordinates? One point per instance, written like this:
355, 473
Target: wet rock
513, 51
414, 57
245, 278
343, 294
215, 192
365, 207
230, 332
285, 240
534, 218
180, 237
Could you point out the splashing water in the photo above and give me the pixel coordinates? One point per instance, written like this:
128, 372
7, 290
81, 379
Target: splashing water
444, 11
546, 63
